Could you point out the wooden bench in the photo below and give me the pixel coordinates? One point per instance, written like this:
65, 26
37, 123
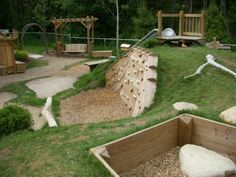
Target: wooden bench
93, 64
101, 53
75, 48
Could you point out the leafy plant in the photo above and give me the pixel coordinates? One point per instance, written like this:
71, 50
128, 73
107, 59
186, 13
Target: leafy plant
150, 43
21, 55
13, 118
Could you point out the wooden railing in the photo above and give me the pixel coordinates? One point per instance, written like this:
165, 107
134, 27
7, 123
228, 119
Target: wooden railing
189, 24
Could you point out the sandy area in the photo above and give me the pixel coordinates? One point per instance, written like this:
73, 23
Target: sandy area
53, 69
46, 87
93, 106
5, 97
38, 121
165, 165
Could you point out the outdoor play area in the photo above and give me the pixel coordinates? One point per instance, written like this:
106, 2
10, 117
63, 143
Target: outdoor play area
104, 94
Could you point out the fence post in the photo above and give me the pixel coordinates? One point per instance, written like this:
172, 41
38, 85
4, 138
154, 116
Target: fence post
159, 19
203, 24
181, 22
69, 38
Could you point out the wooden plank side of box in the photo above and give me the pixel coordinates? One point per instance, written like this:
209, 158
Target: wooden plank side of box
142, 146
215, 136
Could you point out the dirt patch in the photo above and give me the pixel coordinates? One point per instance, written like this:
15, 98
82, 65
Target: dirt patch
164, 165
5, 97
46, 87
38, 121
93, 106
79, 138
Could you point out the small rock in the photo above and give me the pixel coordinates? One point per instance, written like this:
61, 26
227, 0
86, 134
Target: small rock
180, 106
229, 115
197, 161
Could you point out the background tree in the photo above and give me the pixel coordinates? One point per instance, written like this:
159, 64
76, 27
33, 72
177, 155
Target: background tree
216, 24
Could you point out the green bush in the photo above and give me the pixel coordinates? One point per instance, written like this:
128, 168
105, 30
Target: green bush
216, 24
21, 55
150, 43
13, 118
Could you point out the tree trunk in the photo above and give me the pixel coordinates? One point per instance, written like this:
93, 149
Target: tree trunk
117, 28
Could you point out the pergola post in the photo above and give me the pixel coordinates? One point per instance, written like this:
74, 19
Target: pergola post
159, 18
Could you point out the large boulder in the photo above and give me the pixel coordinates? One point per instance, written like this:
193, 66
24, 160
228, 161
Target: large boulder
180, 106
229, 115
197, 161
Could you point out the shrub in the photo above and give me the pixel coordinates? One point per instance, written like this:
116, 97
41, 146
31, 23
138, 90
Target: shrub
21, 55
13, 118
216, 24
150, 43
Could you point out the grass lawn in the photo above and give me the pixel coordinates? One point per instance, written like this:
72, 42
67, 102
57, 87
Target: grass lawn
36, 63
64, 151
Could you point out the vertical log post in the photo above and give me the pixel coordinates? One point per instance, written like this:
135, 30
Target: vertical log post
185, 130
203, 24
159, 19
88, 34
92, 31
181, 22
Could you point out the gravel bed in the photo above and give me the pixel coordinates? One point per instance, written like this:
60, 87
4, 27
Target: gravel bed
93, 106
164, 165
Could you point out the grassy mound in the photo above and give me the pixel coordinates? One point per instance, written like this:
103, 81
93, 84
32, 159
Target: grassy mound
64, 151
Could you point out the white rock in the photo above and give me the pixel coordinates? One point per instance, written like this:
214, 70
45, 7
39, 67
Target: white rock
197, 161
229, 115
35, 56
180, 106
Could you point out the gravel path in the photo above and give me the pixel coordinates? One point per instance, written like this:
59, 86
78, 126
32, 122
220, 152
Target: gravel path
53, 69
164, 165
93, 106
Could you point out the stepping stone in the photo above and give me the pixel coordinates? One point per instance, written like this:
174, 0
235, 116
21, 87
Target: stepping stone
5, 97
197, 161
229, 115
48, 87
180, 106
35, 56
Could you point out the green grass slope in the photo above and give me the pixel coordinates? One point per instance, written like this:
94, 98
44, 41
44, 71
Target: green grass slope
64, 151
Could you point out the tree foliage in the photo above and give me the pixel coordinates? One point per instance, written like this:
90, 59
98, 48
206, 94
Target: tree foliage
216, 24
135, 17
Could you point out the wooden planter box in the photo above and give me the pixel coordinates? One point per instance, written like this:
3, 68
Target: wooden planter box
20, 67
123, 154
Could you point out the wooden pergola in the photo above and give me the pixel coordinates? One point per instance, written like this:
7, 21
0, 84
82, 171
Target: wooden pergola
87, 22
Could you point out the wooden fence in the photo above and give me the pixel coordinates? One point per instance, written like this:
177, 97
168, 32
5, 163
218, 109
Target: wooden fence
189, 24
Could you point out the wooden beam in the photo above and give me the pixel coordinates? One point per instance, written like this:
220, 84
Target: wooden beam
185, 129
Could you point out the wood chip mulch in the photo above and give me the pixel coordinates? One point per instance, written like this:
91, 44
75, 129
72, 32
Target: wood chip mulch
164, 165
93, 106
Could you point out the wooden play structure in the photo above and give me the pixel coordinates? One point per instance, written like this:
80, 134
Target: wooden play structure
191, 27
123, 154
87, 22
8, 64
135, 77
